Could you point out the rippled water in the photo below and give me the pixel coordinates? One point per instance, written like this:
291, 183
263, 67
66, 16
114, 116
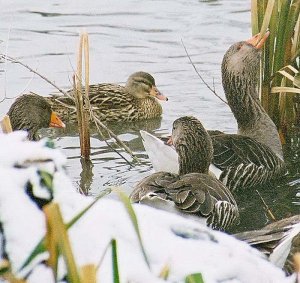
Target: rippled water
128, 36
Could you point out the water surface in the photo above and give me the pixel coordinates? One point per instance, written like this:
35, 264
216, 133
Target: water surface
125, 37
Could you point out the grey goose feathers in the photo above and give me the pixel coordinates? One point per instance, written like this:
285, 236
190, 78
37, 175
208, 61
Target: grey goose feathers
193, 190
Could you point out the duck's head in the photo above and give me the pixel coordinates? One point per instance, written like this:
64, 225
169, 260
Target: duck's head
193, 145
31, 112
142, 85
242, 59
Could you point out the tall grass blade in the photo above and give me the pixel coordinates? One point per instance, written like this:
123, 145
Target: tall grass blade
254, 17
57, 242
296, 39
125, 200
287, 75
296, 80
115, 261
267, 17
194, 278
279, 58
278, 89
40, 247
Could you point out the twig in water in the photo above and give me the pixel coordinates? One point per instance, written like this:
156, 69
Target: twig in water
13, 60
99, 125
199, 75
266, 207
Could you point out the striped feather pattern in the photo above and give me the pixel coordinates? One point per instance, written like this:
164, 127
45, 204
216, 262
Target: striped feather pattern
244, 161
193, 193
111, 103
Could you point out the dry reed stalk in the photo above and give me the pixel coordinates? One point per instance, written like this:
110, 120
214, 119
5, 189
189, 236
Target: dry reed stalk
280, 51
165, 272
80, 101
88, 273
6, 125
5, 273
268, 210
296, 259
57, 243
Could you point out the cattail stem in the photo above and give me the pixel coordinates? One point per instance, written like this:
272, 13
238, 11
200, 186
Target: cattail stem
82, 100
6, 125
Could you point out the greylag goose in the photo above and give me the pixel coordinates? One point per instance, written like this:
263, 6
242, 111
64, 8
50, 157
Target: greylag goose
113, 103
254, 155
279, 241
193, 190
31, 112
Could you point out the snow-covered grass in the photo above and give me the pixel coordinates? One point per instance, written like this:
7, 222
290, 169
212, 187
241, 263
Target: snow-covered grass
182, 245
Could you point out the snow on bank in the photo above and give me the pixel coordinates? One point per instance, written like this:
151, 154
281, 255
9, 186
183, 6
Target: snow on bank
182, 244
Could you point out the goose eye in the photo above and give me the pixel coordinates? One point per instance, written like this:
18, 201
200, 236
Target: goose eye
239, 46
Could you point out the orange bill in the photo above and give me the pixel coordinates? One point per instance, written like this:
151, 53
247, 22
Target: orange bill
156, 93
55, 121
170, 141
257, 41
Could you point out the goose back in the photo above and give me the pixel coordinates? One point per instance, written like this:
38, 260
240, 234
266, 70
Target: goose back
245, 162
194, 193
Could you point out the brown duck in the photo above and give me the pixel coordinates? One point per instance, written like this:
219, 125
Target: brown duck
137, 100
31, 112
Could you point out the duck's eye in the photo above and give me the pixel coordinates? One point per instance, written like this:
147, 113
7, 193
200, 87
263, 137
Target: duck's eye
239, 46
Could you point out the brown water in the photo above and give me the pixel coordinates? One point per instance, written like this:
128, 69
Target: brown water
128, 36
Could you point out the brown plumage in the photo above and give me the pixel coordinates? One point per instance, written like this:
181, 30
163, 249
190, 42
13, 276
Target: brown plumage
31, 112
253, 156
193, 190
113, 103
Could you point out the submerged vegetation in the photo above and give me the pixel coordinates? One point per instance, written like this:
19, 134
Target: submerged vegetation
280, 78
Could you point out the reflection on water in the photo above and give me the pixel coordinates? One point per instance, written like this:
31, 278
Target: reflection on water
125, 37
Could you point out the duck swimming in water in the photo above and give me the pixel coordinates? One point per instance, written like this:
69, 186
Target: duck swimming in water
31, 112
137, 100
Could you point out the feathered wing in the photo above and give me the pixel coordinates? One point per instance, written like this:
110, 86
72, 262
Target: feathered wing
193, 193
245, 162
108, 99
153, 185
162, 156
206, 196
279, 241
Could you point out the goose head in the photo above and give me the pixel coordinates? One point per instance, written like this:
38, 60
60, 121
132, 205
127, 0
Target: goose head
193, 145
240, 79
142, 85
240, 67
31, 112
